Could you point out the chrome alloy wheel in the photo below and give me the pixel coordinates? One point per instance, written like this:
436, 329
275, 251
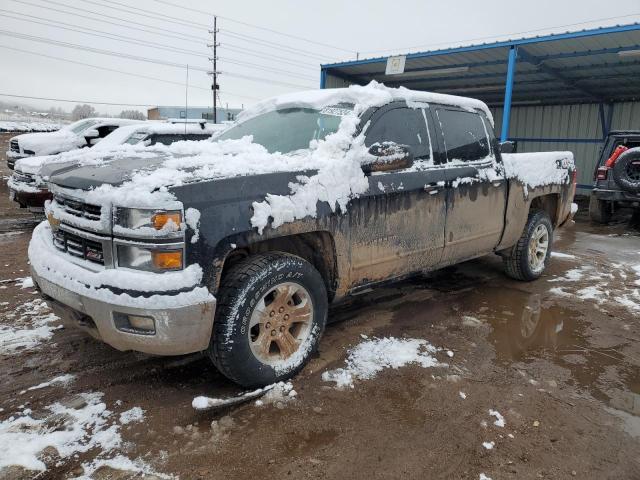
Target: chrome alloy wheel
538, 248
280, 323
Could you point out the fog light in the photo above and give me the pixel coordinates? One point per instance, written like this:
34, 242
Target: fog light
138, 324
142, 323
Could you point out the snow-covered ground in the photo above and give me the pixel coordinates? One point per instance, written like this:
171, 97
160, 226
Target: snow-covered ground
21, 126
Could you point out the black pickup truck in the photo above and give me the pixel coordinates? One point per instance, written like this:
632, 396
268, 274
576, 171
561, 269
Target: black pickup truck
237, 246
617, 175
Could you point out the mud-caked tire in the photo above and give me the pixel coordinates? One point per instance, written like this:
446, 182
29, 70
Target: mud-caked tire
271, 313
599, 210
528, 258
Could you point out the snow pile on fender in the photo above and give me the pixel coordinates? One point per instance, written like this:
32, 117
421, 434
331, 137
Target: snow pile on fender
538, 169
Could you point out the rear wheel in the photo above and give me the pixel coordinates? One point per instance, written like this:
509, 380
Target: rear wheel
529, 256
271, 314
599, 210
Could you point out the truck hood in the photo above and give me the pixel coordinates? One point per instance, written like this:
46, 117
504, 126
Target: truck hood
47, 143
115, 172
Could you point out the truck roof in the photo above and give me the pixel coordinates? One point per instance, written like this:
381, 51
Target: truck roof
372, 95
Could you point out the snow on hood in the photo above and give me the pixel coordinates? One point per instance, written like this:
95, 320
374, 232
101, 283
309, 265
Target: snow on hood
46, 143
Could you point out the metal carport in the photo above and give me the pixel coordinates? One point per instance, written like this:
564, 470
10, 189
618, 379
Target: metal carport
554, 92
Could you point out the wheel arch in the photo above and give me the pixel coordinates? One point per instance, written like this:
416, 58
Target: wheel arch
316, 247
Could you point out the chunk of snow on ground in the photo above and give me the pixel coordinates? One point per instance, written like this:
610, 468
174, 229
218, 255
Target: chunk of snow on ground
60, 380
484, 477
488, 445
68, 430
369, 358
449, 354
499, 418
120, 462
25, 282
591, 293
559, 291
562, 255
281, 391
470, 321
136, 414
35, 324
462, 395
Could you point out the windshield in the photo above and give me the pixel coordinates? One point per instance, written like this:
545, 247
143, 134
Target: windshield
289, 129
136, 137
81, 125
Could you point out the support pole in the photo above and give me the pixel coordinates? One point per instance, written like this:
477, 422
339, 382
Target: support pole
508, 92
323, 78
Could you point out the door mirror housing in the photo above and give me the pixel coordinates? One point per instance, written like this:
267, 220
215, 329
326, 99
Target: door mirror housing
508, 147
388, 156
91, 133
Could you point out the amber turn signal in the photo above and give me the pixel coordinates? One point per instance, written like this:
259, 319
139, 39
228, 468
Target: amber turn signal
159, 220
167, 259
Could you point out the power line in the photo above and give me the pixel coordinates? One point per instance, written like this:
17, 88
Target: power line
100, 17
146, 77
182, 7
80, 101
502, 35
139, 58
182, 24
161, 46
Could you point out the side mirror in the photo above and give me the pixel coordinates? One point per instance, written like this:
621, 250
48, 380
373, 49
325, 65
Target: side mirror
388, 156
91, 133
508, 147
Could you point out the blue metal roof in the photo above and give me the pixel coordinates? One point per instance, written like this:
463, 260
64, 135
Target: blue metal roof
597, 65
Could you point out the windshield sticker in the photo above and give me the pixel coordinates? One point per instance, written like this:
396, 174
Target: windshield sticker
335, 111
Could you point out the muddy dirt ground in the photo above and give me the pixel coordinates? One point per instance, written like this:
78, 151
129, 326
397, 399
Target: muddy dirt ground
558, 358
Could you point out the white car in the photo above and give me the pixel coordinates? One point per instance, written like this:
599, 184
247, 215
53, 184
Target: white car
28, 187
83, 133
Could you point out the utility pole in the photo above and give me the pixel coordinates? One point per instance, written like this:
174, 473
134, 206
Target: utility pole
214, 73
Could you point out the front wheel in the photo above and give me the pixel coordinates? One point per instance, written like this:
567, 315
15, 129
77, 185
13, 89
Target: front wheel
272, 310
529, 256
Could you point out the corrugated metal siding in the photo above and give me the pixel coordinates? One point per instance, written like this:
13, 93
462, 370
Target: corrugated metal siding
567, 121
335, 82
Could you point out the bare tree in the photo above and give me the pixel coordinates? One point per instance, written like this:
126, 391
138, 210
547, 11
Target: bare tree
82, 111
133, 115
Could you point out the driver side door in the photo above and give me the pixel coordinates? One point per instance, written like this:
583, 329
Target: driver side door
397, 226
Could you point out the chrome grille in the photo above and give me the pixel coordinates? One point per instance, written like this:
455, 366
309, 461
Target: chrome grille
14, 146
78, 246
23, 177
78, 209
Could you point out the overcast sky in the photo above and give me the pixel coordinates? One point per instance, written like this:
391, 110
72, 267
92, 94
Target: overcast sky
340, 29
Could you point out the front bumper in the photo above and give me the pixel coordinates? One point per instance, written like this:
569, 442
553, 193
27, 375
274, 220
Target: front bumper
183, 322
33, 200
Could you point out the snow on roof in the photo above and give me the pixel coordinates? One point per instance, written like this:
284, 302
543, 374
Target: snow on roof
372, 95
121, 134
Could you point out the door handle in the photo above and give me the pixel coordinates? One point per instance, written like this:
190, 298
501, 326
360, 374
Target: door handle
432, 188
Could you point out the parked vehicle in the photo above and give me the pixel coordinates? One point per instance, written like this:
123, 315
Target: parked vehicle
617, 176
238, 248
83, 133
28, 184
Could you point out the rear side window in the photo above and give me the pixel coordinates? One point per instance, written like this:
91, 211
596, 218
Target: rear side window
404, 126
464, 134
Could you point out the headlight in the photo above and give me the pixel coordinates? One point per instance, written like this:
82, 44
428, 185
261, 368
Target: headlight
150, 259
134, 218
